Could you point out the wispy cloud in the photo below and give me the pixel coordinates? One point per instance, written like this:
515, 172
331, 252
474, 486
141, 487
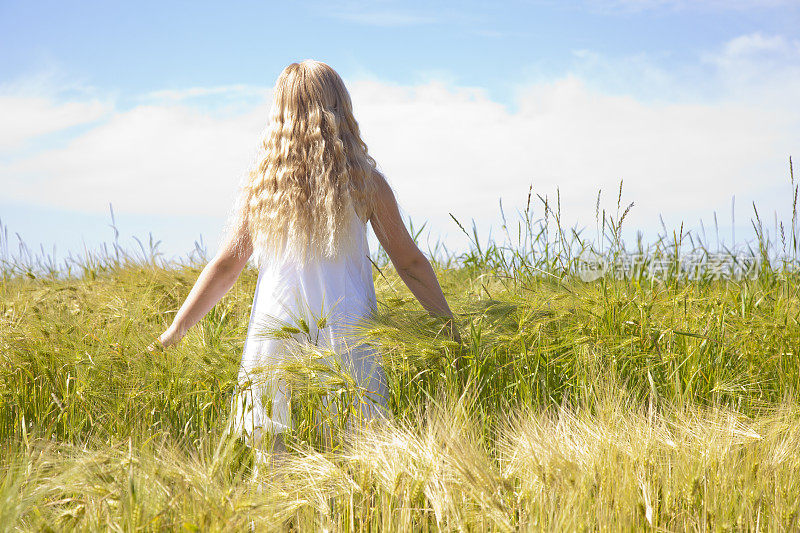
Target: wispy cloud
754, 67
384, 18
759, 67
377, 13
759, 47
647, 5
44, 103
234, 91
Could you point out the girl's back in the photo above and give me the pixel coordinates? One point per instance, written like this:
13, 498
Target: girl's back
316, 303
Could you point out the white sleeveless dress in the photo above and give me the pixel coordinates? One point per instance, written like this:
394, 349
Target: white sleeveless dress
289, 294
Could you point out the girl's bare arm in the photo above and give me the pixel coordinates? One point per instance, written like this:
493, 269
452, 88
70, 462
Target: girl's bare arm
413, 267
216, 279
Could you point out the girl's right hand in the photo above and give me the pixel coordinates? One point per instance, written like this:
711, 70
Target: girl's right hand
166, 339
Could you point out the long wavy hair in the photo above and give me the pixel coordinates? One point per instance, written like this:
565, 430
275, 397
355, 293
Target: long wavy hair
313, 172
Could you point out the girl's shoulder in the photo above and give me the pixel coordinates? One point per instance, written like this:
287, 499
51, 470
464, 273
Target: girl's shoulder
383, 193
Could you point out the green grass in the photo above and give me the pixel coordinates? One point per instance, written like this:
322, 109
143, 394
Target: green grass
667, 401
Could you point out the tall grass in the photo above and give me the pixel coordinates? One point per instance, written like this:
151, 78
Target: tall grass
597, 385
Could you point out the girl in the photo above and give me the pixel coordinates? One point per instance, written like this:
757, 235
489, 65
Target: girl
303, 211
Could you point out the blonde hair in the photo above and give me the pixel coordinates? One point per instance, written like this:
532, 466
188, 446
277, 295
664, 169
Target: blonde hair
313, 173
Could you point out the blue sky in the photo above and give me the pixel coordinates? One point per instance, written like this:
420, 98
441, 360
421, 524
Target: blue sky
156, 107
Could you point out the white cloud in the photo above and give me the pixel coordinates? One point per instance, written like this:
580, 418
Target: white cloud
454, 149
150, 159
27, 117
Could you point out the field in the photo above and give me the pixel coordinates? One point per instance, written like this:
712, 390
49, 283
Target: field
655, 389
